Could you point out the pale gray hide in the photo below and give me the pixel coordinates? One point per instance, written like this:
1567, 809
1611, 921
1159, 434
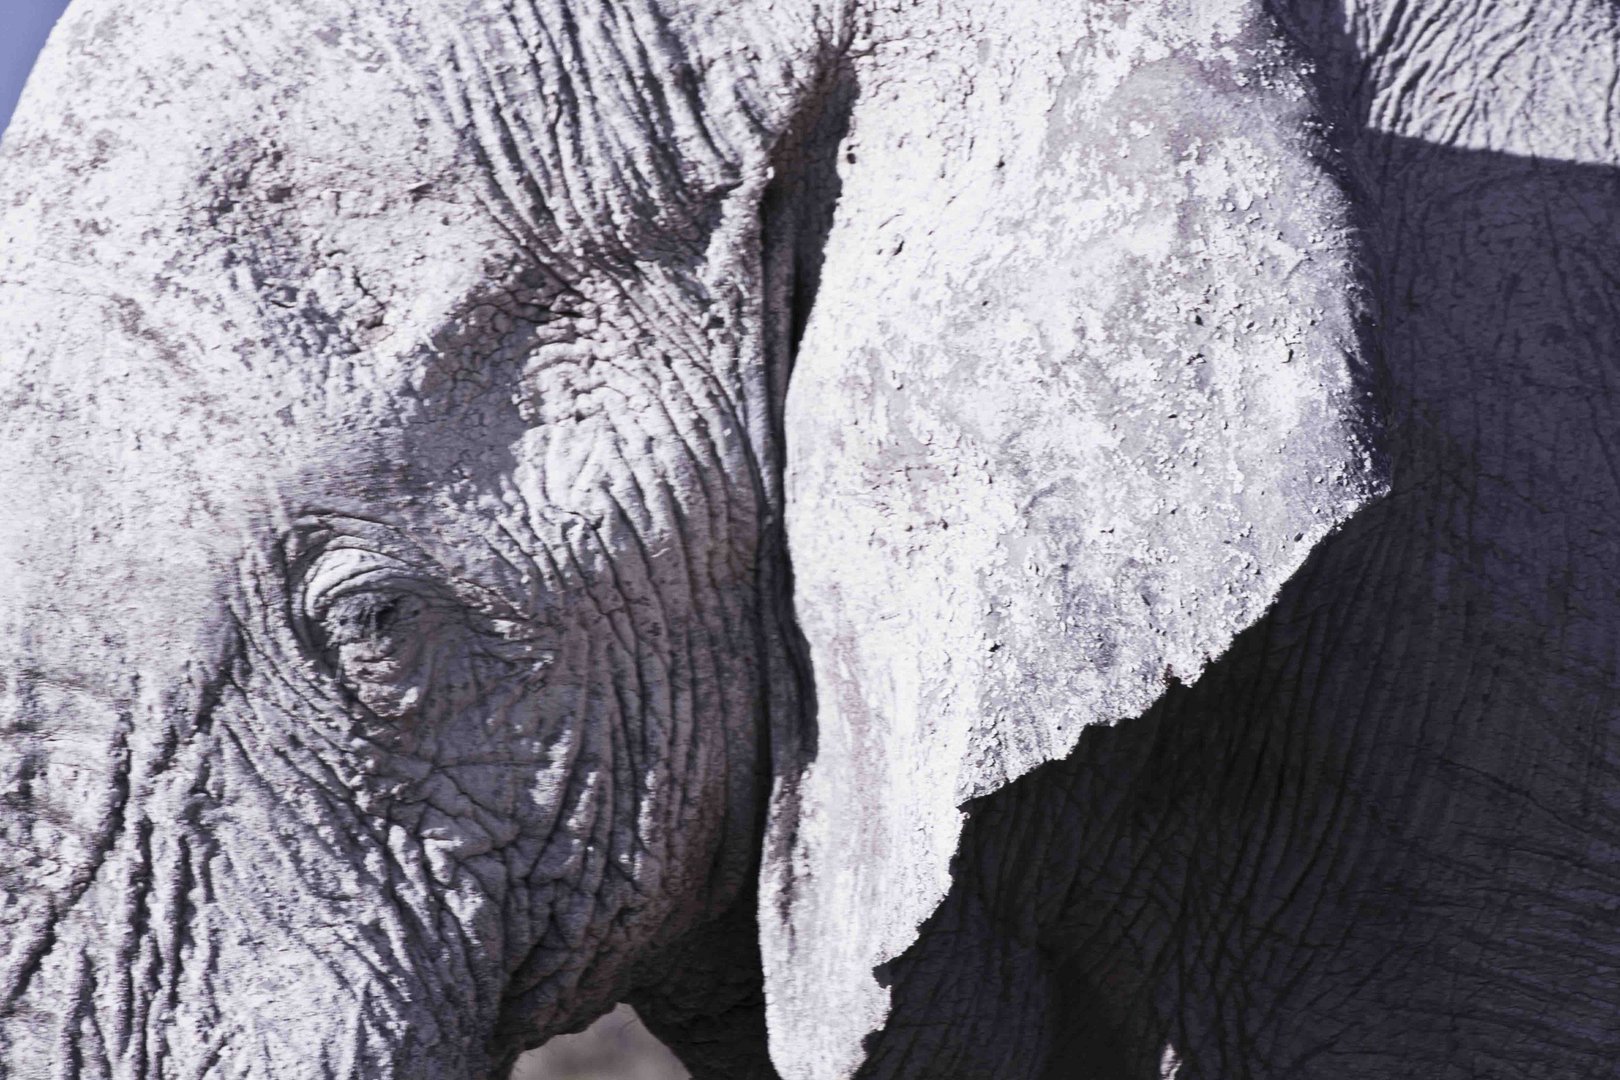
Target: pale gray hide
386, 459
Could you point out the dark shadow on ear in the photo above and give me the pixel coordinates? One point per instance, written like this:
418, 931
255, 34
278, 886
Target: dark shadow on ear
796, 216
1377, 837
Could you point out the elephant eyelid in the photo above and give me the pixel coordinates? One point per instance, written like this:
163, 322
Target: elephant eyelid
348, 571
378, 603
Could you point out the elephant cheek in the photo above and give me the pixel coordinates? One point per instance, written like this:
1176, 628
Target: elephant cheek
210, 910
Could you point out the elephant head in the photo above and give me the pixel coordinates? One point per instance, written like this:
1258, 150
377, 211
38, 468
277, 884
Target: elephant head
389, 492
411, 416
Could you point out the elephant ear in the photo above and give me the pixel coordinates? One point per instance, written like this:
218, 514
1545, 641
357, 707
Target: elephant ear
1082, 386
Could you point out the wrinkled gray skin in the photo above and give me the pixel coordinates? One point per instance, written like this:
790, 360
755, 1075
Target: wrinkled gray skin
398, 660
385, 488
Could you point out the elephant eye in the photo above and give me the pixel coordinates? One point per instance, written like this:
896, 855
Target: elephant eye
393, 633
383, 644
369, 615
376, 623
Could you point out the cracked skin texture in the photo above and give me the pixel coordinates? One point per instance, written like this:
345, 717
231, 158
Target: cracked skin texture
398, 661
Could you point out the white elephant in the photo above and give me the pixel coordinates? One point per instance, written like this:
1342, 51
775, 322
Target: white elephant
902, 537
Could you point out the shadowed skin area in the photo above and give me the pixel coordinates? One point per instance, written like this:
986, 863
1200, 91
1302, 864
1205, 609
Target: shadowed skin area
1377, 837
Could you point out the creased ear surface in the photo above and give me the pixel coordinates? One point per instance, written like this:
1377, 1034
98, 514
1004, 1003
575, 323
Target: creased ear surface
1082, 387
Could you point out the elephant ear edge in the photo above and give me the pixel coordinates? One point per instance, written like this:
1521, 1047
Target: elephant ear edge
1086, 379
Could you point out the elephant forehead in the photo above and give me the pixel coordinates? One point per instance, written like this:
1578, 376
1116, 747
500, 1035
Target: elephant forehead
301, 194
345, 217
606, 133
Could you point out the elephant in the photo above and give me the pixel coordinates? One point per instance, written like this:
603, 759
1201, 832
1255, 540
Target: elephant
902, 538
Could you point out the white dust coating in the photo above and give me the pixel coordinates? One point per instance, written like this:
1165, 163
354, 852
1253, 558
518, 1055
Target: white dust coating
1081, 390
